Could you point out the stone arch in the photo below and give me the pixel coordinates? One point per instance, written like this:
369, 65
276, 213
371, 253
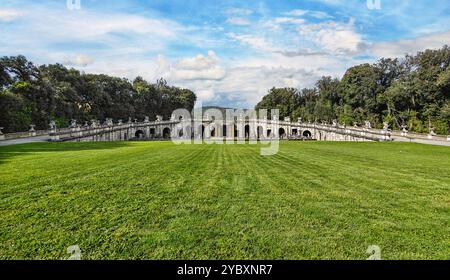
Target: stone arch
140, 134
166, 133
152, 132
188, 132
180, 132
307, 134
281, 132
247, 131
260, 132
224, 130
201, 131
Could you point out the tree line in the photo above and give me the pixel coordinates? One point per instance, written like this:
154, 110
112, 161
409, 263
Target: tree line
31, 94
412, 92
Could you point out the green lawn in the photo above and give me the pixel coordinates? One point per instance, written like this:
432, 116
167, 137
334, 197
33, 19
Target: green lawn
156, 200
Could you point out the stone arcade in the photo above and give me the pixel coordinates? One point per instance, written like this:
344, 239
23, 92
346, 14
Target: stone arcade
207, 128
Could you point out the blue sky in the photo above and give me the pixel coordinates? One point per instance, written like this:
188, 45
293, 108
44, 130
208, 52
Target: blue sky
229, 52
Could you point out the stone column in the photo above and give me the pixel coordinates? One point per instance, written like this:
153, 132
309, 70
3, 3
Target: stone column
53, 133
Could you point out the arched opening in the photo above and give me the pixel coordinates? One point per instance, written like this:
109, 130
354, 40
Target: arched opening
152, 133
235, 131
180, 133
201, 131
294, 131
307, 134
247, 131
188, 132
139, 134
166, 133
224, 130
269, 133
213, 131
260, 132
281, 132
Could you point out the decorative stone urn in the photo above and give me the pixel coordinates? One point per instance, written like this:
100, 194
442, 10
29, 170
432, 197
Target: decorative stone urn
73, 124
32, 130
109, 122
432, 133
335, 123
93, 123
404, 130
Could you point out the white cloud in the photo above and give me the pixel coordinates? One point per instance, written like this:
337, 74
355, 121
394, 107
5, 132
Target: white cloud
311, 13
401, 47
7, 15
254, 41
238, 21
199, 67
289, 20
79, 60
334, 37
297, 12
239, 11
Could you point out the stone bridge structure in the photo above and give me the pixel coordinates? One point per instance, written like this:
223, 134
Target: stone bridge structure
205, 128
208, 129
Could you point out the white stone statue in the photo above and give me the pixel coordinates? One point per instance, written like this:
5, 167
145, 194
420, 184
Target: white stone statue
52, 125
146, 119
404, 130
120, 122
385, 126
109, 122
368, 125
335, 123
1, 133
129, 120
73, 123
432, 133
159, 118
93, 123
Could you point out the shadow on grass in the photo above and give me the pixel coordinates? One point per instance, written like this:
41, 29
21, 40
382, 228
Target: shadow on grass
7, 152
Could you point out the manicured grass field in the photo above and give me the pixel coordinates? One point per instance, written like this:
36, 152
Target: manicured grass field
156, 200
